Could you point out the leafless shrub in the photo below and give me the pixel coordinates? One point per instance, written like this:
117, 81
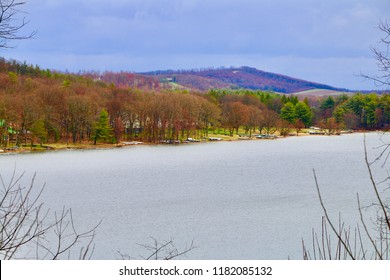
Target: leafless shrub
362, 242
25, 231
10, 23
382, 57
165, 250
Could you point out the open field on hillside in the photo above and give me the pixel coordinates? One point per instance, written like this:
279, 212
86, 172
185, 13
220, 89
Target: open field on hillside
321, 92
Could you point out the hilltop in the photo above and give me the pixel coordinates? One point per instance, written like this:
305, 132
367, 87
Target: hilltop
196, 79
215, 78
234, 78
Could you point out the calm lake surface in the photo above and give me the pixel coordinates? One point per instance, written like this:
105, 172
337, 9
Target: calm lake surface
235, 200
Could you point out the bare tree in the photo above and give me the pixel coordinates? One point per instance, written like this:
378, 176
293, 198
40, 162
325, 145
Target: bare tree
359, 242
11, 23
362, 242
25, 231
382, 56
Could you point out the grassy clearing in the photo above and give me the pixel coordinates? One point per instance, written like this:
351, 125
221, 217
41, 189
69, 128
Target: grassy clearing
321, 92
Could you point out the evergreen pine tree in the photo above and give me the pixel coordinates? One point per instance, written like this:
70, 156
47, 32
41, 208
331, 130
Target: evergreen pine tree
303, 113
288, 112
103, 130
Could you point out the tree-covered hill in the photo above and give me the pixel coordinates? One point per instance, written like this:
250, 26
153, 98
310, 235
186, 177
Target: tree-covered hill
40, 106
235, 78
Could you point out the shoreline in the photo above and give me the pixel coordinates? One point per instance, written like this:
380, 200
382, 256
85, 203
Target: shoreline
102, 146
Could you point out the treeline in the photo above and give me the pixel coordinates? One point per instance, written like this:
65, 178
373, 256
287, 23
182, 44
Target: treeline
23, 68
43, 107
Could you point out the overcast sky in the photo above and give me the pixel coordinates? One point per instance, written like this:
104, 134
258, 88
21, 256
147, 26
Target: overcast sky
321, 41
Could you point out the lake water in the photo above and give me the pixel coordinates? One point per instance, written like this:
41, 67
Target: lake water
235, 200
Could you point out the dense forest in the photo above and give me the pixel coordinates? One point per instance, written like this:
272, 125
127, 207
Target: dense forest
39, 106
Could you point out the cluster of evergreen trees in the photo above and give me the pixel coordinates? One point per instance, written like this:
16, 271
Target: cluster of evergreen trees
37, 106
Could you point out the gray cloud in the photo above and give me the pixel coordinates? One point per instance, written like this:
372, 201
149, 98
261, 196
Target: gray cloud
144, 35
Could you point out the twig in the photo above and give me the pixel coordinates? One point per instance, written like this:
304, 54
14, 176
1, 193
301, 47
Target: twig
345, 246
374, 185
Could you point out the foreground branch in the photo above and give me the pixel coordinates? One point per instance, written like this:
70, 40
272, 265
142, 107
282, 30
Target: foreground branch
353, 246
24, 225
339, 237
10, 24
165, 250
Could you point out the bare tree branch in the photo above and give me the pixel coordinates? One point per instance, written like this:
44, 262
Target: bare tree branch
380, 201
165, 250
339, 237
353, 245
24, 225
382, 56
10, 22
366, 230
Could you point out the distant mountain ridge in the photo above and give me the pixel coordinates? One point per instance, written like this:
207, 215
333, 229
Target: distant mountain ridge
213, 78
234, 78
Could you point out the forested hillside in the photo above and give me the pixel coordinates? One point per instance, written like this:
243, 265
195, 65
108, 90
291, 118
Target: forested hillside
125, 80
38, 106
213, 78
237, 78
